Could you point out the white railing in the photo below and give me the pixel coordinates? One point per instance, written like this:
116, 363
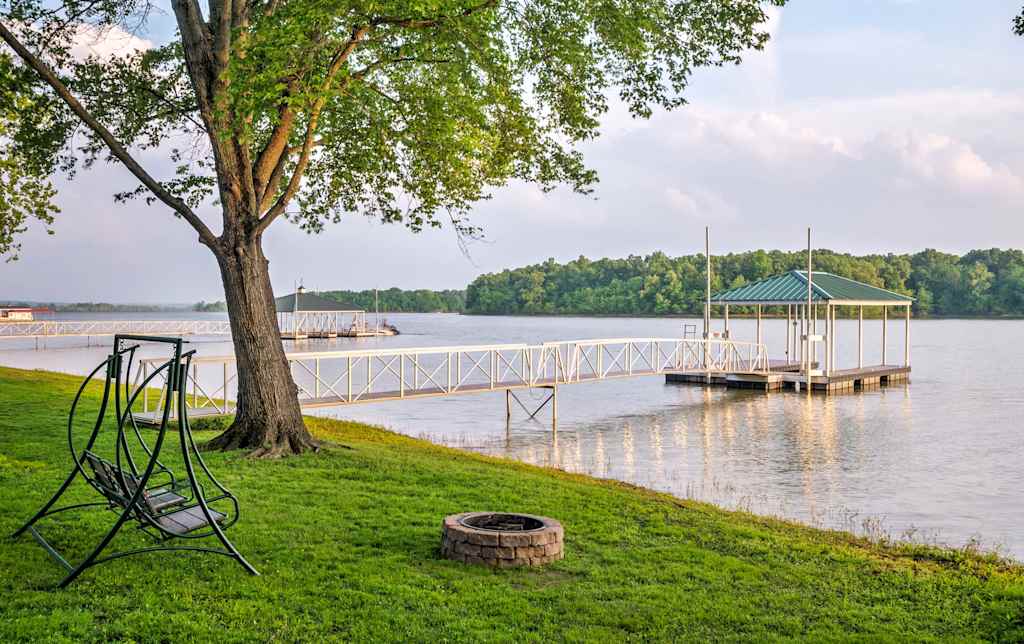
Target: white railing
41, 328
332, 378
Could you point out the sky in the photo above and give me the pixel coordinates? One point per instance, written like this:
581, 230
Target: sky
885, 125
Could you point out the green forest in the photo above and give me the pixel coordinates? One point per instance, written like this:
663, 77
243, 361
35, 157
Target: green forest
401, 301
978, 283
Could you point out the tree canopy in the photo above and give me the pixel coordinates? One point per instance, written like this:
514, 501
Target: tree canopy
408, 112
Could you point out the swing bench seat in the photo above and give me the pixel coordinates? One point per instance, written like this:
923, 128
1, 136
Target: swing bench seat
155, 502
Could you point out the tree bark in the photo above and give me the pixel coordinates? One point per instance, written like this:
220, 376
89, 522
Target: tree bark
268, 419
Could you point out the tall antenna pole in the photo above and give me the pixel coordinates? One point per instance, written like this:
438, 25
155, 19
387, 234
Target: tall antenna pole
807, 351
707, 305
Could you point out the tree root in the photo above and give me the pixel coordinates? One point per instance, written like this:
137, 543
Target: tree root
262, 441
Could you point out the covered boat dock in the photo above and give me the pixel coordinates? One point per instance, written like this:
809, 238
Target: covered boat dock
303, 315
810, 357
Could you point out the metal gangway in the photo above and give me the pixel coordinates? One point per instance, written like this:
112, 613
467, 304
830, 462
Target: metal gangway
342, 378
55, 328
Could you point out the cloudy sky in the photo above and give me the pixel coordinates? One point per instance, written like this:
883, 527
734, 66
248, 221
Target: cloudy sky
886, 125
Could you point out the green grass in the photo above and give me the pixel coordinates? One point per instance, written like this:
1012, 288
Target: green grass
347, 541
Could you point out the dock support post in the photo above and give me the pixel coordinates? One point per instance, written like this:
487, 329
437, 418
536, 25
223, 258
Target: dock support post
906, 339
807, 337
759, 324
789, 329
508, 405
834, 339
860, 337
885, 328
554, 407
828, 339
814, 331
707, 306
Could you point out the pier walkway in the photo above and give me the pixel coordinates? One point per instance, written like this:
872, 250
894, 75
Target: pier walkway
80, 328
342, 378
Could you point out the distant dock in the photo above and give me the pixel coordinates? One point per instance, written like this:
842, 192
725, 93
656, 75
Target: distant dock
88, 328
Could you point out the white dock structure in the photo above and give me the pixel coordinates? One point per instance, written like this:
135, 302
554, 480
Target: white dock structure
343, 378
81, 328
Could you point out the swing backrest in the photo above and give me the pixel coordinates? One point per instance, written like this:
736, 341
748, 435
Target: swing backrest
108, 478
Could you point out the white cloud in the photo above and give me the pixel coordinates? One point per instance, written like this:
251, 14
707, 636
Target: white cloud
681, 201
106, 42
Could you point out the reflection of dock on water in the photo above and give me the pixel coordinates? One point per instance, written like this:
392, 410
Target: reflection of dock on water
303, 315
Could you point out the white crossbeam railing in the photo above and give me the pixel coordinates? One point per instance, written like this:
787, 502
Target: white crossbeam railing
334, 378
48, 328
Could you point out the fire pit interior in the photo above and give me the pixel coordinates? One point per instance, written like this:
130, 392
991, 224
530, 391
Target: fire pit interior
503, 522
501, 539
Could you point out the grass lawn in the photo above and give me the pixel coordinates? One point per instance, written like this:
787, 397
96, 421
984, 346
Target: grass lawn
347, 541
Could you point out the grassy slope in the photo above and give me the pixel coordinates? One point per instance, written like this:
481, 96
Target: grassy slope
347, 544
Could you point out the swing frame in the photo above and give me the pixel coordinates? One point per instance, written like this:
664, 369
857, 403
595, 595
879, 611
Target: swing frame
127, 489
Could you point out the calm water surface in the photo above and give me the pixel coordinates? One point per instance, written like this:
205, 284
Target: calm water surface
942, 457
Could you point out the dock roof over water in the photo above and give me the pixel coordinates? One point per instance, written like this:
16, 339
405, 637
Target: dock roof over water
310, 303
791, 288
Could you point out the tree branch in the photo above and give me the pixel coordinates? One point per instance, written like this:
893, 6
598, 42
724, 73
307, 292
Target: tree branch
116, 149
358, 33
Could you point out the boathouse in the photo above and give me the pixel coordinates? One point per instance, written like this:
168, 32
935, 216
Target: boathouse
303, 315
811, 351
16, 314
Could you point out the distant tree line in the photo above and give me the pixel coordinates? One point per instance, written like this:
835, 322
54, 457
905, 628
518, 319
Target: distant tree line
98, 307
202, 306
391, 300
402, 301
978, 283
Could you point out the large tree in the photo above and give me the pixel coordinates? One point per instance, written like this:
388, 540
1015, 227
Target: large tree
309, 109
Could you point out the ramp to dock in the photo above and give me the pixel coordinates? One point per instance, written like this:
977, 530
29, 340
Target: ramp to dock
341, 378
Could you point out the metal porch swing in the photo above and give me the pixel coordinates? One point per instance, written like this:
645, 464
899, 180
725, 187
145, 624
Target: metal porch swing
163, 506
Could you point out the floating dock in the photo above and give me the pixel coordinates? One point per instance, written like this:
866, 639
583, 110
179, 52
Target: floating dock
788, 376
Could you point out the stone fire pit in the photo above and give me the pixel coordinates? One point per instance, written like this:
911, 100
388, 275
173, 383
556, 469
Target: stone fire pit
501, 539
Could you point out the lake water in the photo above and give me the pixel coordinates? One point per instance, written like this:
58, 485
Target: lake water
941, 458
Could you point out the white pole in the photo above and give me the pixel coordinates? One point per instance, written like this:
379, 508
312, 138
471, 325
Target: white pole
798, 345
860, 337
759, 324
707, 305
808, 334
828, 339
885, 325
906, 339
835, 340
789, 329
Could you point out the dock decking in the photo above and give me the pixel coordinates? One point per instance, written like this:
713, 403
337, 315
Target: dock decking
785, 376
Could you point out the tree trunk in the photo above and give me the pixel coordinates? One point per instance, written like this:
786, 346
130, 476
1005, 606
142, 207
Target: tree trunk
268, 419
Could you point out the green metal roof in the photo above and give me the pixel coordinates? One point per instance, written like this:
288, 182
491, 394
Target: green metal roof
308, 302
791, 288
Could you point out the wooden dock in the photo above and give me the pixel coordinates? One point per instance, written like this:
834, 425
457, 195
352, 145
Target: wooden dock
788, 376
